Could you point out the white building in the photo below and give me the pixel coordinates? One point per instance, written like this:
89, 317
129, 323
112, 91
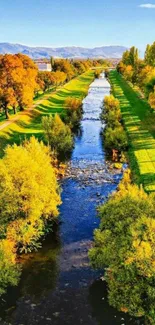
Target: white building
43, 66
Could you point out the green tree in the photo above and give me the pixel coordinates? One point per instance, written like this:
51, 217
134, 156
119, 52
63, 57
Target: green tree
57, 134
124, 245
147, 54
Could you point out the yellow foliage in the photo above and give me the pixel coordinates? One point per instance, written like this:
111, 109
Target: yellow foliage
29, 190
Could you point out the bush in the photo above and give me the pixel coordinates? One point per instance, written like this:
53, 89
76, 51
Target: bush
112, 119
115, 139
57, 134
74, 111
111, 103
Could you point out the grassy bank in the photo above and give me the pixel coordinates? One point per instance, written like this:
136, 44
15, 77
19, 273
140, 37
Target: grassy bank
140, 126
30, 122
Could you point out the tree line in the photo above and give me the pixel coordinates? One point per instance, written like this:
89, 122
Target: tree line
20, 80
140, 72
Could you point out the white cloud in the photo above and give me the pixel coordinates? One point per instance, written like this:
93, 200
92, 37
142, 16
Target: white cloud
148, 6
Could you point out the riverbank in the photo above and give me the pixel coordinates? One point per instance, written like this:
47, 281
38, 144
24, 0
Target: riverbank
139, 123
30, 121
58, 285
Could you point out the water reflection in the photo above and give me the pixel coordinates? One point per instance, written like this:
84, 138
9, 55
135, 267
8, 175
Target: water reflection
57, 285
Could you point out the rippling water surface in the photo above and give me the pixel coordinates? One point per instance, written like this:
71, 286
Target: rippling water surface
58, 285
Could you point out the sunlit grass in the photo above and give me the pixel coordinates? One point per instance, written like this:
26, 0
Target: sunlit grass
140, 125
30, 123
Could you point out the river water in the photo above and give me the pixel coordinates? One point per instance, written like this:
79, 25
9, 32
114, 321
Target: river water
58, 286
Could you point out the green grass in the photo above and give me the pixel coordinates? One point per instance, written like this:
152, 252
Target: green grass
139, 122
30, 123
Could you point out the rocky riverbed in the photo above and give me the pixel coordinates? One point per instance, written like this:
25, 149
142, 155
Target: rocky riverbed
58, 286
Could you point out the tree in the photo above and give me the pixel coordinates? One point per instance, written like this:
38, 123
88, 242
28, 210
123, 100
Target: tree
29, 192
128, 72
147, 54
152, 55
52, 61
73, 108
59, 77
46, 79
64, 65
124, 245
7, 99
125, 58
133, 56
115, 139
57, 134
17, 81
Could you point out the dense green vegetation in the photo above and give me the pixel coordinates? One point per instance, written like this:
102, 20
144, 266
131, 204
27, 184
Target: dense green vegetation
141, 73
124, 244
57, 134
115, 139
124, 247
139, 124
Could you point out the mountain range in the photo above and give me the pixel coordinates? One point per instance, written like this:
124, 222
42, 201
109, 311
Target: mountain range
63, 52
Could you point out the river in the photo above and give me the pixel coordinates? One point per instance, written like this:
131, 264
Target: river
58, 286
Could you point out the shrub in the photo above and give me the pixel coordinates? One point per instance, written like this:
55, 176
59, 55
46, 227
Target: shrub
73, 108
57, 134
111, 103
115, 139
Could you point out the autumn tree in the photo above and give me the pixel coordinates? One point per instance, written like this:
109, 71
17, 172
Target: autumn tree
59, 77
17, 81
65, 66
26, 89
29, 192
73, 108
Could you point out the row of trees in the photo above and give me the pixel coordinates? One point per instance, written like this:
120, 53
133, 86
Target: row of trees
124, 247
115, 138
140, 72
20, 79
29, 195
18, 75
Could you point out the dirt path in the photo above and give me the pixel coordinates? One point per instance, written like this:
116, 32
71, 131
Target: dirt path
19, 115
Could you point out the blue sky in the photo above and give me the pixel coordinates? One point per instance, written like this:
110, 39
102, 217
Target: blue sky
87, 23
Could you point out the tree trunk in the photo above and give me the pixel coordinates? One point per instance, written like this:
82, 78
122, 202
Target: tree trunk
14, 109
21, 108
6, 113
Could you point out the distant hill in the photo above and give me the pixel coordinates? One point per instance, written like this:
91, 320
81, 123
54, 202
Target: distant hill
63, 52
